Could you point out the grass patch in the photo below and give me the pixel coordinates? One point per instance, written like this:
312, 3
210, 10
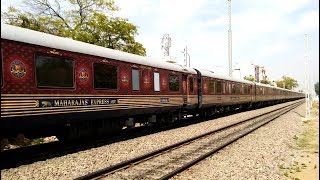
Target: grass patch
37, 141
308, 138
282, 166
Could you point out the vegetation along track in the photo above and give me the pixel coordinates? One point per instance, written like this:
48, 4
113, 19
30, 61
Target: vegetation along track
171, 160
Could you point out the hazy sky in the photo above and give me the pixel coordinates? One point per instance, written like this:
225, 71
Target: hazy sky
268, 33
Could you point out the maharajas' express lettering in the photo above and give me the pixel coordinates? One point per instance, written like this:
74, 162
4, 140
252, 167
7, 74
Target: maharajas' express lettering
83, 102
69, 102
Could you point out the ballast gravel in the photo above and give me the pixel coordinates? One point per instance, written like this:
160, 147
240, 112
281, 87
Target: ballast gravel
256, 156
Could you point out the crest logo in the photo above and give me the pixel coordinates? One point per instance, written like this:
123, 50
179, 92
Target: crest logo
164, 83
18, 69
125, 79
83, 75
146, 80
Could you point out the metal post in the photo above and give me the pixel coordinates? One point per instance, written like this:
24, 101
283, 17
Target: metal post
186, 56
230, 41
306, 77
189, 58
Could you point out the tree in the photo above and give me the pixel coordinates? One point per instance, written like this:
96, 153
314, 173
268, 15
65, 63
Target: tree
265, 82
287, 83
249, 78
89, 21
316, 88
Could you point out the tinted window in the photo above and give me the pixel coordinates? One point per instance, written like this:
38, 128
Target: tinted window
156, 81
105, 76
233, 89
212, 86
238, 88
54, 72
173, 82
219, 87
135, 80
223, 88
1, 67
191, 84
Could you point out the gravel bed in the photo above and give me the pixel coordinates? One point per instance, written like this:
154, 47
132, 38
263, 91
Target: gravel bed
256, 156
250, 157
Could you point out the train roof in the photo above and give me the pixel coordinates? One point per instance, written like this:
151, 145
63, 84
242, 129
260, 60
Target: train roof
43, 39
267, 85
219, 76
208, 73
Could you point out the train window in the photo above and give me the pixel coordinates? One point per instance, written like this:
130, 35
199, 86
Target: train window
135, 80
55, 72
105, 76
174, 82
156, 81
1, 66
219, 87
223, 88
191, 85
212, 86
233, 89
238, 89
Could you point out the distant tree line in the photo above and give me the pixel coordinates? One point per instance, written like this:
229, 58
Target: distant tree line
286, 82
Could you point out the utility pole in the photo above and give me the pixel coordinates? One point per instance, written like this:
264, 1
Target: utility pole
186, 56
230, 41
306, 77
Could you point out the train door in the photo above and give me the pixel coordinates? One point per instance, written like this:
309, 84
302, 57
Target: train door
185, 89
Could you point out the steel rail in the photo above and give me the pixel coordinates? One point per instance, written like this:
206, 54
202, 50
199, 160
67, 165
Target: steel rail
186, 166
125, 164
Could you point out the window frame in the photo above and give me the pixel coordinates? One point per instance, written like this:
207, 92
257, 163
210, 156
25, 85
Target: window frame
54, 56
173, 91
2, 80
154, 83
132, 70
191, 85
93, 76
221, 87
212, 81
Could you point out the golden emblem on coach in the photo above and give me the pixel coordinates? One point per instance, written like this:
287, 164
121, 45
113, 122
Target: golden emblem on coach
18, 69
83, 75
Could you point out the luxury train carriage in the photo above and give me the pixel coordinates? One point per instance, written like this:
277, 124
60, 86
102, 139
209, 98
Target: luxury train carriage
57, 86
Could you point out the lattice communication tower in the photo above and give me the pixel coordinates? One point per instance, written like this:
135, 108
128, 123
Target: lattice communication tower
166, 44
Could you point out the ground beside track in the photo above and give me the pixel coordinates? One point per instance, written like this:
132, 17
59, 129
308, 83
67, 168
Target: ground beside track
271, 152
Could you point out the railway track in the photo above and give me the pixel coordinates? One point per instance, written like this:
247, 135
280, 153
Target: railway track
29, 154
171, 160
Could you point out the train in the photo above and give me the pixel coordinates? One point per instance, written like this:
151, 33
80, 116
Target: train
55, 86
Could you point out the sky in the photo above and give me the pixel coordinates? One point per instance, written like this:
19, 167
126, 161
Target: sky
268, 33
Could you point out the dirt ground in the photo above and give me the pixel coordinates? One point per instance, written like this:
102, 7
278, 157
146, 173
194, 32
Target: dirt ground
306, 167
